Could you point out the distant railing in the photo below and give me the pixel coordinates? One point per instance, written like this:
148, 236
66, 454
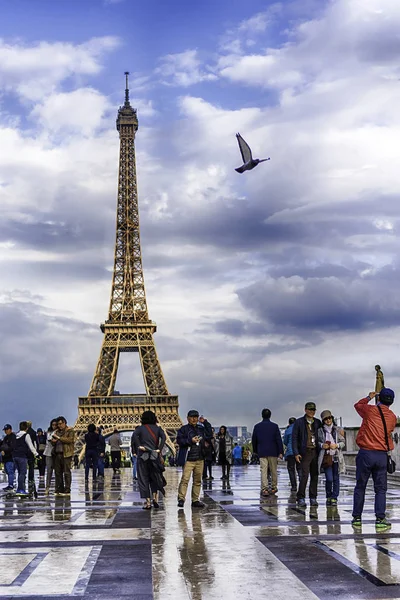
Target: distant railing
125, 399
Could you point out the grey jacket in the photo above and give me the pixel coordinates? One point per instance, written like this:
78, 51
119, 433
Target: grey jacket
339, 439
115, 442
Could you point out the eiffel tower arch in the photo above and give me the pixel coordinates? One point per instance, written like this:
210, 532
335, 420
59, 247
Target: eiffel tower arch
128, 327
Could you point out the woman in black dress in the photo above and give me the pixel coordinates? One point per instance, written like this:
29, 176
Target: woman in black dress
224, 446
147, 443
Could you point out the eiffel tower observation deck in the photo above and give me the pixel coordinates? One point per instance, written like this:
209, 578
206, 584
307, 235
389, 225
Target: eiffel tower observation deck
128, 327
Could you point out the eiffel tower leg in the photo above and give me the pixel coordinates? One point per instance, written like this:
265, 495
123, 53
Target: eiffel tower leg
105, 376
151, 368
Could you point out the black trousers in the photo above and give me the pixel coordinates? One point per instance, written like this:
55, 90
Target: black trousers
207, 467
309, 467
116, 459
292, 467
31, 468
146, 486
41, 464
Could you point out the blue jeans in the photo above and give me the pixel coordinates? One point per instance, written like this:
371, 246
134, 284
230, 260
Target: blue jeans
237, 461
371, 462
21, 465
10, 470
332, 481
100, 465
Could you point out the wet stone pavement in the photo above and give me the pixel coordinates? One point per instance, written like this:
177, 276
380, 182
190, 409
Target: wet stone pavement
100, 544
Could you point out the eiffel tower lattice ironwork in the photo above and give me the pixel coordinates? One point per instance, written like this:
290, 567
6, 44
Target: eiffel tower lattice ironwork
128, 328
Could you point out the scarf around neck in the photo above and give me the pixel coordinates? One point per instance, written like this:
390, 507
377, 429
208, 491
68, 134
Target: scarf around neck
328, 429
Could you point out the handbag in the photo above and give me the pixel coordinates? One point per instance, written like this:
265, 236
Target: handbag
391, 465
327, 461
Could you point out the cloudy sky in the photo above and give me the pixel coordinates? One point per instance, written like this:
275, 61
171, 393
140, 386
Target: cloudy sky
268, 288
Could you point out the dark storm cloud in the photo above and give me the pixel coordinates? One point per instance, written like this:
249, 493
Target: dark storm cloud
40, 399
40, 372
36, 337
237, 328
307, 272
247, 225
51, 233
323, 304
49, 272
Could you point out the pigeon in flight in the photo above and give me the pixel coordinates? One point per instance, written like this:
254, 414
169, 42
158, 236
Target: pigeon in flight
248, 160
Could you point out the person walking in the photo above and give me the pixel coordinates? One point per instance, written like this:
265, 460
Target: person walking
223, 450
115, 447
191, 439
7, 447
147, 443
23, 450
63, 440
48, 455
375, 441
92, 440
330, 444
292, 465
209, 455
31, 457
41, 445
267, 444
304, 443
237, 455
101, 450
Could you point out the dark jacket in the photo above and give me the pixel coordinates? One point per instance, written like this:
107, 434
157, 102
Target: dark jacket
142, 437
33, 436
101, 446
267, 439
7, 446
91, 441
188, 450
300, 434
21, 447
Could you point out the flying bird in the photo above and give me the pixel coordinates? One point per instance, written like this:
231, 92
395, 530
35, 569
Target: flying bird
248, 160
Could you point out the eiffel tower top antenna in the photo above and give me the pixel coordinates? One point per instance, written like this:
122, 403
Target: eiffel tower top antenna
127, 103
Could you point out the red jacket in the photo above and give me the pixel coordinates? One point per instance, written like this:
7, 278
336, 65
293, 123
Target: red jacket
372, 434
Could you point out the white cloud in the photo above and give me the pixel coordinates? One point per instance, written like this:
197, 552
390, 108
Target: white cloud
36, 70
183, 69
350, 35
79, 111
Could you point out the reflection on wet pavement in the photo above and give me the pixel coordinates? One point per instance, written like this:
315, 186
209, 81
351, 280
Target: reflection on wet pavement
101, 543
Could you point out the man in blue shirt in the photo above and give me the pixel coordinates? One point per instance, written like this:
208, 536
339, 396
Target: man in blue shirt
237, 455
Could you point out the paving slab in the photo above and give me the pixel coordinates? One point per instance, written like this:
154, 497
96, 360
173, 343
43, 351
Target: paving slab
100, 544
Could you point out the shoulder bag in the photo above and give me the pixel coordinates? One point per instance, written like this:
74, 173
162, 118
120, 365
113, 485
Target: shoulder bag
391, 465
156, 440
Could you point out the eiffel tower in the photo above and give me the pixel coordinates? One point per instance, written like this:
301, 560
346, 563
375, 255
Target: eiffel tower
128, 327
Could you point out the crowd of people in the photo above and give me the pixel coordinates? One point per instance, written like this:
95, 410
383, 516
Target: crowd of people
310, 447
52, 451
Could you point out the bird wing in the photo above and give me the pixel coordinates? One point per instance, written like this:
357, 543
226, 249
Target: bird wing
244, 148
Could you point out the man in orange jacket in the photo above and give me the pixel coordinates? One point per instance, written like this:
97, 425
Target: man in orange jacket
372, 456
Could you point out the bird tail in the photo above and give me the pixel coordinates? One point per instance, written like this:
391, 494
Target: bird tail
240, 169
